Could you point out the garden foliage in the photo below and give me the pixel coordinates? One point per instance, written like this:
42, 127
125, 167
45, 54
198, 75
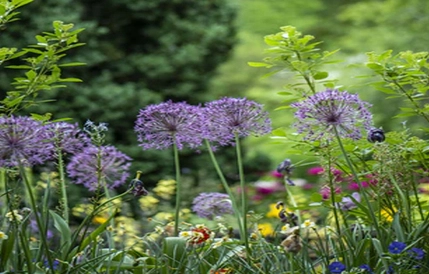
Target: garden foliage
366, 213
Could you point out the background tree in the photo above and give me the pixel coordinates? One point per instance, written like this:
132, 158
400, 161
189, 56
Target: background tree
137, 53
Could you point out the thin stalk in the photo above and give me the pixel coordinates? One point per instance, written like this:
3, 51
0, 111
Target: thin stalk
36, 215
356, 178
243, 193
226, 187
178, 189
64, 198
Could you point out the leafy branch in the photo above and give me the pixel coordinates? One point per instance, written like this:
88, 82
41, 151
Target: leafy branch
41, 65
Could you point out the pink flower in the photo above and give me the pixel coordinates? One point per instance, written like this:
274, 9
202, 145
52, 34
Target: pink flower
325, 191
315, 170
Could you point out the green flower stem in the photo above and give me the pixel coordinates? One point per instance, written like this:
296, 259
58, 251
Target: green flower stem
64, 198
289, 196
356, 178
243, 193
178, 189
111, 212
226, 187
36, 215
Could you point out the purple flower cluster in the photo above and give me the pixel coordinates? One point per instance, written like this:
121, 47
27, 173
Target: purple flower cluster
68, 137
210, 205
162, 125
227, 117
96, 165
24, 141
323, 114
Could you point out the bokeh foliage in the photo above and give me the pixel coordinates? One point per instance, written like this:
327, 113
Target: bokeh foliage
136, 53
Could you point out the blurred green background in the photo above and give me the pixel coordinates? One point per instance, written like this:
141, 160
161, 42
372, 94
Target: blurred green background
144, 52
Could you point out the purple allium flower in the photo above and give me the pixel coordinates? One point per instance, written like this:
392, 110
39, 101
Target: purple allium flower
367, 268
94, 163
68, 137
160, 126
210, 205
347, 203
320, 114
336, 267
229, 116
416, 253
396, 247
23, 140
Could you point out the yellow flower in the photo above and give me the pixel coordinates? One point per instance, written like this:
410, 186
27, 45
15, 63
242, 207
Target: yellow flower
266, 229
165, 189
99, 219
387, 215
274, 212
3, 236
14, 216
148, 203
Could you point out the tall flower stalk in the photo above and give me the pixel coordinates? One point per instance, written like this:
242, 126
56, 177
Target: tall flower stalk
332, 115
228, 120
170, 124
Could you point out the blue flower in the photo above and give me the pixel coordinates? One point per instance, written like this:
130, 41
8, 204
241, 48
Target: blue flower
366, 268
336, 267
416, 253
396, 247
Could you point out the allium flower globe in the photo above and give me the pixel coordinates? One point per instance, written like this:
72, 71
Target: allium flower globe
229, 116
25, 141
68, 137
85, 168
160, 126
210, 205
323, 113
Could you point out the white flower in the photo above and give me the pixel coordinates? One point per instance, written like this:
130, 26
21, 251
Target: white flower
14, 216
308, 224
3, 236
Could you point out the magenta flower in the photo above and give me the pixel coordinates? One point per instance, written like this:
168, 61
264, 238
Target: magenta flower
325, 191
25, 141
97, 165
227, 117
160, 126
322, 114
318, 170
213, 204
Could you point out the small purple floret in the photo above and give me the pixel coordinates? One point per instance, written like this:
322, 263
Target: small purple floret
112, 169
210, 205
24, 141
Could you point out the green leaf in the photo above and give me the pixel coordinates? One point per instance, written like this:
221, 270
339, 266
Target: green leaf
61, 225
259, 64
93, 236
320, 75
74, 64
75, 80
279, 132
175, 250
19, 67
